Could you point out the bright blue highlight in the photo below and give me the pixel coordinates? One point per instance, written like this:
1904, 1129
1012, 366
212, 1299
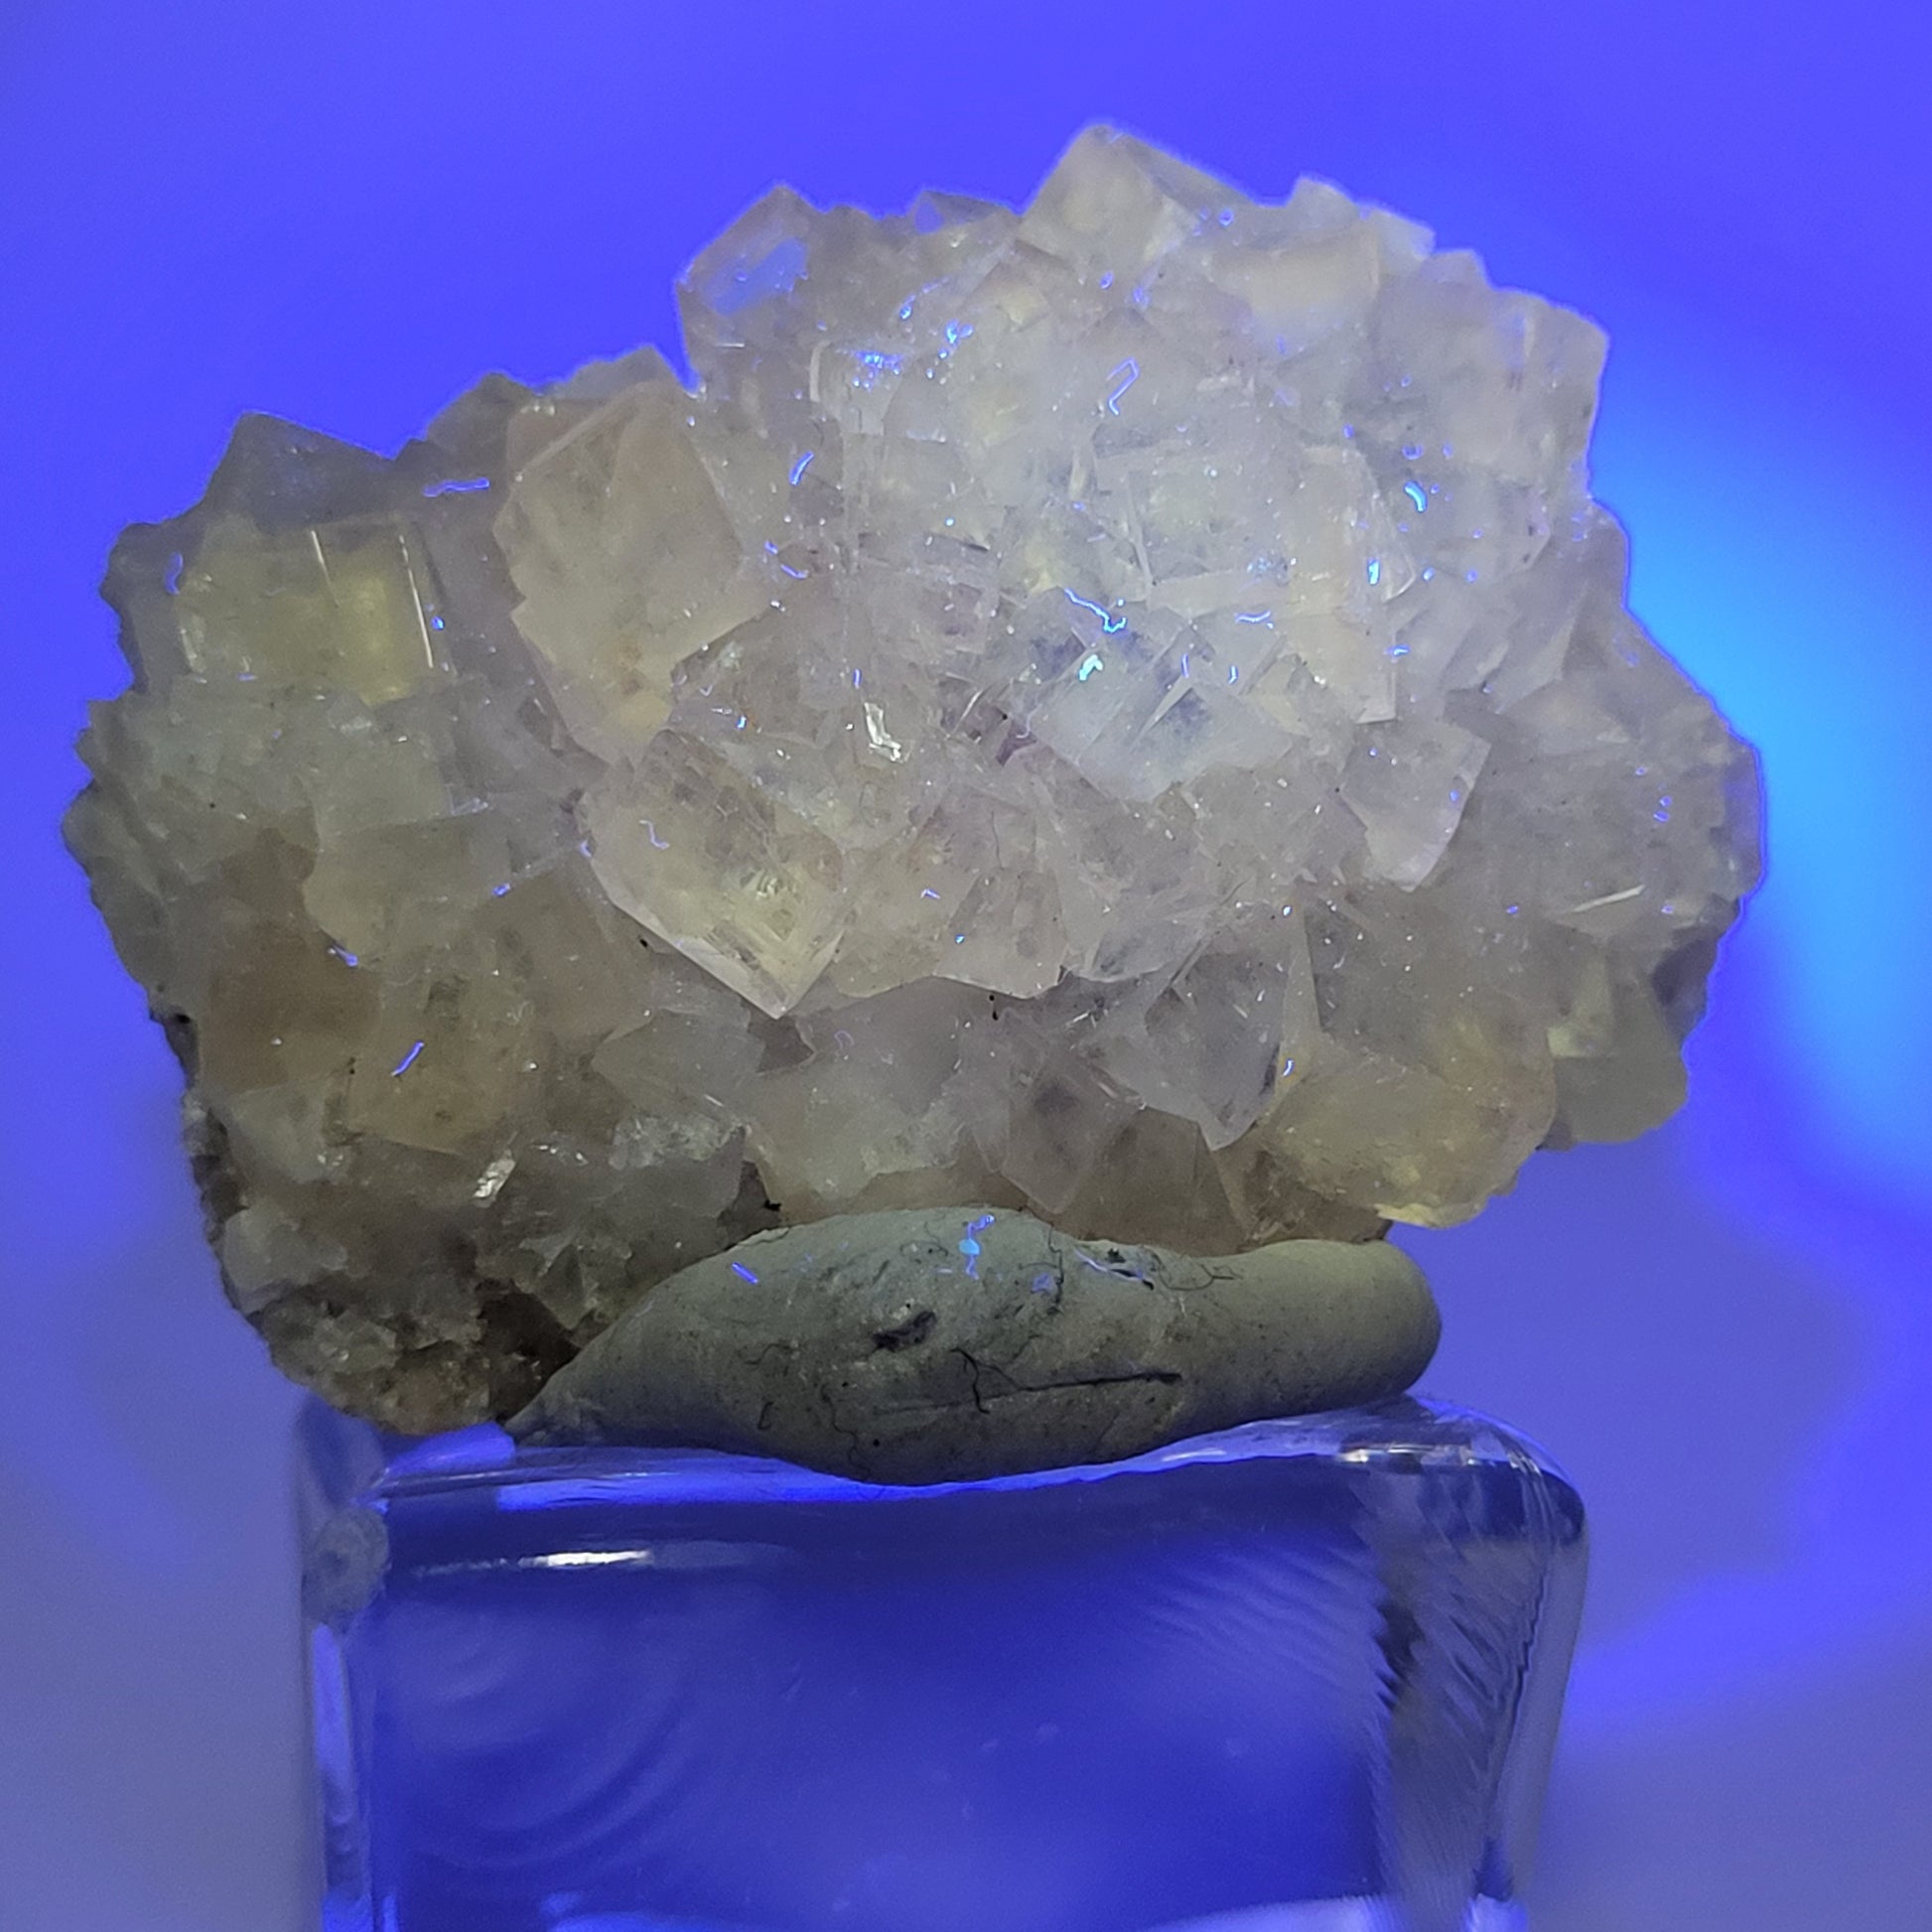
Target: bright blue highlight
969, 1245
1110, 624
741, 284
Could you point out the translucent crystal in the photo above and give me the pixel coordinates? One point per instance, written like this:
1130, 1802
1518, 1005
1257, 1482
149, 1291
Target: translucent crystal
1125, 710
1299, 1677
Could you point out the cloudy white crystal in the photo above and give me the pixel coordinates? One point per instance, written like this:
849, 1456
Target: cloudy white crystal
1123, 710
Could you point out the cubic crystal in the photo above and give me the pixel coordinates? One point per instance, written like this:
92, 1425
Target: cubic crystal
1123, 710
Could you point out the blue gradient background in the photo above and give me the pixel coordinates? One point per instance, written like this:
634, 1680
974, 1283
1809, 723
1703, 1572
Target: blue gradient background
346, 213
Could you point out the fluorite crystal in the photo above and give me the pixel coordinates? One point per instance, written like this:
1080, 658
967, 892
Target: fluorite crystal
1123, 710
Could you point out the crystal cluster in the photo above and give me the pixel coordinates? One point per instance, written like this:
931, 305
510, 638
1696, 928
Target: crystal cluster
1123, 710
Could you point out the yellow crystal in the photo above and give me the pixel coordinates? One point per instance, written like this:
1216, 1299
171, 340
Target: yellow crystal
1123, 709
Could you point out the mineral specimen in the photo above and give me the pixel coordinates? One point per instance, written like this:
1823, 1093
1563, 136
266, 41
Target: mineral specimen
935, 1346
1124, 711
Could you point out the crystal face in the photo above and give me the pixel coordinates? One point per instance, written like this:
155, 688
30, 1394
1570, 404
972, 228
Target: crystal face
1123, 710
1300, 1677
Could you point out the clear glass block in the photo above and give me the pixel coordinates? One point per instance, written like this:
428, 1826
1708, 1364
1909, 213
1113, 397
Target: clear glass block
1298, 1676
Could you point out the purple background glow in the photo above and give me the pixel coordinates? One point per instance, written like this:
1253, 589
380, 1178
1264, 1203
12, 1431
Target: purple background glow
344, 214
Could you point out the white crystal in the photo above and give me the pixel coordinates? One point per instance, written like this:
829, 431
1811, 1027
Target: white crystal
1125, 710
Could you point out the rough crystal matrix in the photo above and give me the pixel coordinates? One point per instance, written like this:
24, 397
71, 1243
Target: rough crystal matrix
1123, 710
